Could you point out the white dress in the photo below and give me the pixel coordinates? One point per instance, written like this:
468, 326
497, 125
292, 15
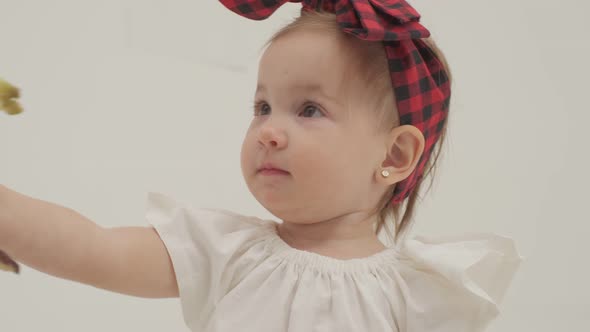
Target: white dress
235, 273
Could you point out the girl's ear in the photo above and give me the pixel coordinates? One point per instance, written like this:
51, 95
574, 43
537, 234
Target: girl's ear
404, 149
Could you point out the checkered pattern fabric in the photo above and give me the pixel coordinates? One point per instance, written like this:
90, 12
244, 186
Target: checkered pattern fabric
420, 83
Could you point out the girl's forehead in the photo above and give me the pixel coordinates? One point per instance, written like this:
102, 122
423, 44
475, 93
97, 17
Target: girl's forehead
304, 60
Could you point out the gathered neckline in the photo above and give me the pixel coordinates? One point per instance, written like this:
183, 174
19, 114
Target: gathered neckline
324, 263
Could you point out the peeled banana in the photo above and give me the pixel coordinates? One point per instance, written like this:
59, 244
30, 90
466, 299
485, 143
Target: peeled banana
8, 96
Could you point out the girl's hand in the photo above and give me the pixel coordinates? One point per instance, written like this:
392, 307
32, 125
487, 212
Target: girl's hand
7, 264
8, 96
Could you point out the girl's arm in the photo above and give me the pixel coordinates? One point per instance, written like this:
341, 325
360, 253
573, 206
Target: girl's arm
61, 242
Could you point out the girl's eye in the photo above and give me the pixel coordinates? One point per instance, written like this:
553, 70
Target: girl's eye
261, 107
309, 109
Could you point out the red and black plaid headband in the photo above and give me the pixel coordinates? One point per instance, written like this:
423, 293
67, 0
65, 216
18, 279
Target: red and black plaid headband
420, 83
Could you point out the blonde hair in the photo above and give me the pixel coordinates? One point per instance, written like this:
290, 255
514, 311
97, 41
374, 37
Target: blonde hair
370, 57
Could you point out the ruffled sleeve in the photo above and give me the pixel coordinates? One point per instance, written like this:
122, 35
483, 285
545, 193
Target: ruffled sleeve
209, 248
455, 283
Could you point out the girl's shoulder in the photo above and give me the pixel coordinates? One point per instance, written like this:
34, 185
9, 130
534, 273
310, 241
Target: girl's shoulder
163, 209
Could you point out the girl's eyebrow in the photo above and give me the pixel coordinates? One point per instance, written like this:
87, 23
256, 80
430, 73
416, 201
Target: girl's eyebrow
260, 88
305, 87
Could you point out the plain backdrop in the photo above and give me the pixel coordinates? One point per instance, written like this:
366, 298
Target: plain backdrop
123, 97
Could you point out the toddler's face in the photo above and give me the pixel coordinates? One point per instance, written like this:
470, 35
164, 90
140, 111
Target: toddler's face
311, 123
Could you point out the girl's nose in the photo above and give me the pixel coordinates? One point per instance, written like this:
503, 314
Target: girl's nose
272, 137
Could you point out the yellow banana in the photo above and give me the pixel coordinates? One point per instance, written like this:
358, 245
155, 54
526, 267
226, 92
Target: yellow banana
8, 96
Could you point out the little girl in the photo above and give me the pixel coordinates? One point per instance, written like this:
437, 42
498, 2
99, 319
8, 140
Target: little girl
352, 97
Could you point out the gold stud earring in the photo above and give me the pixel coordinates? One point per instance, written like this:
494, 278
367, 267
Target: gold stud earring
385, 173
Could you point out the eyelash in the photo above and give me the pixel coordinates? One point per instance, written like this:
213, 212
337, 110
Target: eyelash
260, 103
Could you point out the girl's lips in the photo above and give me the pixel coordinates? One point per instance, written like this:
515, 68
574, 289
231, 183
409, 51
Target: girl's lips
272, 172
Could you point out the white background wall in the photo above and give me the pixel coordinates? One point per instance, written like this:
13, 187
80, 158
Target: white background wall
125, 97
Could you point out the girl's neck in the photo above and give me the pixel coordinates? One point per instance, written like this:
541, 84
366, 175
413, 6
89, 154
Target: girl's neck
336, 240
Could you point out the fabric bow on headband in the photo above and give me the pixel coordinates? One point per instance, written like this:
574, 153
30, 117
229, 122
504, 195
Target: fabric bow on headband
420, 83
